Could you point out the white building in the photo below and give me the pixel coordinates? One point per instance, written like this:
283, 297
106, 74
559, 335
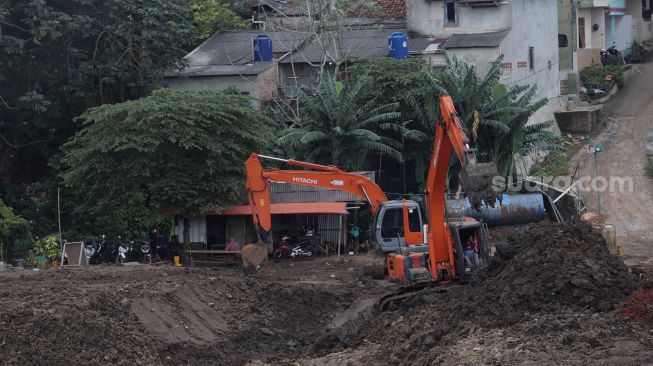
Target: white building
477, 31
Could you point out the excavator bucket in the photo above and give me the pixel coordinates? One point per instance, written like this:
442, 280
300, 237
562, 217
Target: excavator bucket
253, 255
477, 183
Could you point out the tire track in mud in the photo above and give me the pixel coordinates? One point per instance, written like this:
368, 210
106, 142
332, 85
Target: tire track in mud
181, 316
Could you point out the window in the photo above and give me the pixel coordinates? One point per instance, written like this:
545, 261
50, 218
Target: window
414, 224
581, 32
531, 58
646, 10
562, 40
392, 224
450, 15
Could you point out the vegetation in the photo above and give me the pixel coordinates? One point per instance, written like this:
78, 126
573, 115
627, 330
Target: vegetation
57, 59
649, 167
495, 116
598, 77
637, 54
212, 16
80, 112
48, 246
555, 164
339, 127
172, 150
15, 236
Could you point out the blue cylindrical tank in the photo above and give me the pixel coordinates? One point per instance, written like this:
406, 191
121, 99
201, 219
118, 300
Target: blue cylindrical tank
517, 209
262, 46
398, 45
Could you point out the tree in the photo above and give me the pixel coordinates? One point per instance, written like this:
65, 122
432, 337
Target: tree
496, 117
212, 16
339, 127
174, 149
402, 82
520, 138
15, 236
60, 57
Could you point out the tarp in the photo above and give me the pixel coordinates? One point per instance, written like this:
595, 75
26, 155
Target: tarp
338, 208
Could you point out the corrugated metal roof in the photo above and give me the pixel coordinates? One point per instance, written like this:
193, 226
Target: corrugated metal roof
338, 208
253, 68
366, 42
475, 40
235, 48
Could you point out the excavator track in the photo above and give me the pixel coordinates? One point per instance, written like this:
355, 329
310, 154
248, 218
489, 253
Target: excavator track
406, 292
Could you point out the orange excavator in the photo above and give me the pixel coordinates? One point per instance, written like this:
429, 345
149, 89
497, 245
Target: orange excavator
420, 246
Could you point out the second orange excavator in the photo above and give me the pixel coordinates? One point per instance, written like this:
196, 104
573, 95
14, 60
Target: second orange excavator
420, 246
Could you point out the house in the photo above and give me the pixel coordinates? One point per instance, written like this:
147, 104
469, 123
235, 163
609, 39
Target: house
332, 47
585, 27
227, 60
478, 31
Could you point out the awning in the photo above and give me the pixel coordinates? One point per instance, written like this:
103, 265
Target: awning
338, 208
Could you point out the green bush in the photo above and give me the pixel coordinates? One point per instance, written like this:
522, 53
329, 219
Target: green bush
649, 167
15, 234
48, 247
594, 77
555, 164
637, 53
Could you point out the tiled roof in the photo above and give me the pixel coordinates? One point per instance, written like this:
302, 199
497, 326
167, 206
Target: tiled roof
385, 9
393, 9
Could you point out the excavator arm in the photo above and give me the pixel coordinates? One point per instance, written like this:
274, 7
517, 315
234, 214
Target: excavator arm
258, 185
476, 179
258, 190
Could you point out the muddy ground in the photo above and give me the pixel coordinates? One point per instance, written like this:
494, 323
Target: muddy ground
556, 297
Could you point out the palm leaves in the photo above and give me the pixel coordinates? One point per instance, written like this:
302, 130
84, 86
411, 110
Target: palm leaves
502, 113
340, 128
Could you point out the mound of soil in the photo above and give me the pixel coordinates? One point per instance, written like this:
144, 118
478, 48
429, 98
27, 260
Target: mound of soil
551, 265
551, 271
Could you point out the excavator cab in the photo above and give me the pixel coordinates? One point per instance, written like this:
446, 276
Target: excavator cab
399, 224
389, 231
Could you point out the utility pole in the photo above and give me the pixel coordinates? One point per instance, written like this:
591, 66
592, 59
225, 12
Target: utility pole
59, 217
595, 149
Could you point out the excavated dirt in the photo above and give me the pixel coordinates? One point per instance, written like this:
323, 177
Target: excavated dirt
148, 315
551, 297
554, 296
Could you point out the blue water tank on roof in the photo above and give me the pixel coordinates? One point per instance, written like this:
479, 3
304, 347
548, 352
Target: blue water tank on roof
262, 46
398, 45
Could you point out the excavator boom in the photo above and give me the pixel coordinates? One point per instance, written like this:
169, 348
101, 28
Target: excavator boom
476, 181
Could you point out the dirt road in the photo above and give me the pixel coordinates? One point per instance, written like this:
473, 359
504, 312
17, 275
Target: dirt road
624, 138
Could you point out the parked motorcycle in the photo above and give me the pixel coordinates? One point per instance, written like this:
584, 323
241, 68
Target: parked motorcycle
97, 252
146, 252
286, 250
609, 56
120, 252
